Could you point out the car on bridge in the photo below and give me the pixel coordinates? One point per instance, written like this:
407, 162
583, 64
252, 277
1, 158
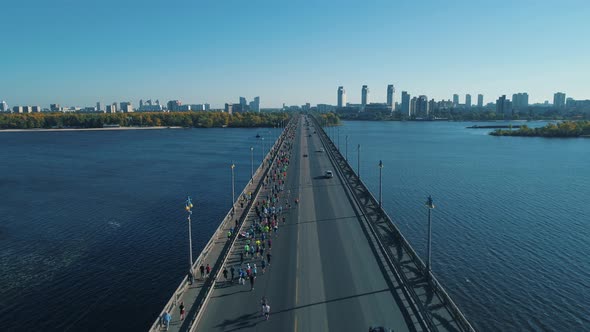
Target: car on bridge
320, 150
329, 174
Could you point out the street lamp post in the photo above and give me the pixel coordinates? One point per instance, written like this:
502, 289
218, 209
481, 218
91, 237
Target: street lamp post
188, 207
358, 167
429, 206
252, 164
380, 183
346, 147
262, 145
233, 193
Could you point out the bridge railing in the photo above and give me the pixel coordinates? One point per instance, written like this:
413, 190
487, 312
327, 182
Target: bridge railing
180, 290
459, 317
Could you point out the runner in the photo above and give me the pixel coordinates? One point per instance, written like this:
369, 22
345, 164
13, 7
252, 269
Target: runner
266, 311
263, 265
252, 282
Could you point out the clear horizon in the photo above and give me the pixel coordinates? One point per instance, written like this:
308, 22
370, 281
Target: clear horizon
77, 54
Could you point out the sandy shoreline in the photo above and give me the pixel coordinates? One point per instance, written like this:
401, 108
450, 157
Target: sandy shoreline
83, 129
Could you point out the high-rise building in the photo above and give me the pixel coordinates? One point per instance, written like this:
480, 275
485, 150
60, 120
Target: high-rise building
126, 107
467, 100
140, 103
390, 96
173, 105
364, 96
256, 107
341, 96
480, 100
422, 106
413, 103
455, 100
54, 107
228, 108
98, 108
405, 108
35, 109
17, 109
243, 102
559, 100
503, 106
520, 100
3, 106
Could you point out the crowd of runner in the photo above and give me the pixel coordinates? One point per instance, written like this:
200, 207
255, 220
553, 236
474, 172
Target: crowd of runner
256, 239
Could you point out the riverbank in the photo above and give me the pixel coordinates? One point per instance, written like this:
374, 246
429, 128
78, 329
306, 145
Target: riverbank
559, 130
83, 129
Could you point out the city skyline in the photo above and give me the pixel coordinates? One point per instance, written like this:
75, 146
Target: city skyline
125, 56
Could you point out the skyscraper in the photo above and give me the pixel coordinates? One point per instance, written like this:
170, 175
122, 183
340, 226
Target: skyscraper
480, 100
364, 96
422, 106
255, 105
467, 100
243, 102
559, 100
413, 105
503, 106
341, 96
455, 100
405, 103
98, 108
3, 106
390, 95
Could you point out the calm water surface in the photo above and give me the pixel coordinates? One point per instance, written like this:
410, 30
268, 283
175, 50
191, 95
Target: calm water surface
511, 228
93, 231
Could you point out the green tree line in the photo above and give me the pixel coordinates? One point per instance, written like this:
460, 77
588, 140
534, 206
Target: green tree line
155, 119
562, 129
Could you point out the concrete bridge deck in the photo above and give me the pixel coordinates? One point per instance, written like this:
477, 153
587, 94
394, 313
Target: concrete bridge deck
329, 269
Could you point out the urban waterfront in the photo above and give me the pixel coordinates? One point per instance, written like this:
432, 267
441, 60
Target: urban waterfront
90, 220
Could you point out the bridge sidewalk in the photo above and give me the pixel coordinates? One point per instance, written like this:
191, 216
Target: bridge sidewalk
192, 292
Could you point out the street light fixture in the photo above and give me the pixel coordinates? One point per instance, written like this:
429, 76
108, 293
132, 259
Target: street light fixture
346, 148
233, 197
429, 206
252, 164
188, 206
358, 167
380, 184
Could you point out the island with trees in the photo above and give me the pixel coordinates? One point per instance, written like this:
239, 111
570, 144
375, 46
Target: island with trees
561, 129
141, 119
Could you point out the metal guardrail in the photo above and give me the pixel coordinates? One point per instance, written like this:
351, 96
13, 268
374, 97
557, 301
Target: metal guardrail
179, 292
459, 317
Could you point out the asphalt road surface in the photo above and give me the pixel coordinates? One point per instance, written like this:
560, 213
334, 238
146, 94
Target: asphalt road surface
323, 275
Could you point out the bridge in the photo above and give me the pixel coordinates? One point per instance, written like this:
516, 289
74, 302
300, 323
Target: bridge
337, 262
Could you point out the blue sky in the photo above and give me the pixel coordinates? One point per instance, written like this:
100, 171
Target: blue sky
80, 52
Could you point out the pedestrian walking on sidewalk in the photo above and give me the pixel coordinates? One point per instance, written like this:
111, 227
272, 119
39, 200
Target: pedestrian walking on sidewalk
208, 269
202, 269
225, 273
181, 308
241, 258
166, 318
191, 278
232, 270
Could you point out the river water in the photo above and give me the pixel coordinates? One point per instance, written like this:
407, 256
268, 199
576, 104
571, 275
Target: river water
511, 227
93, 229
